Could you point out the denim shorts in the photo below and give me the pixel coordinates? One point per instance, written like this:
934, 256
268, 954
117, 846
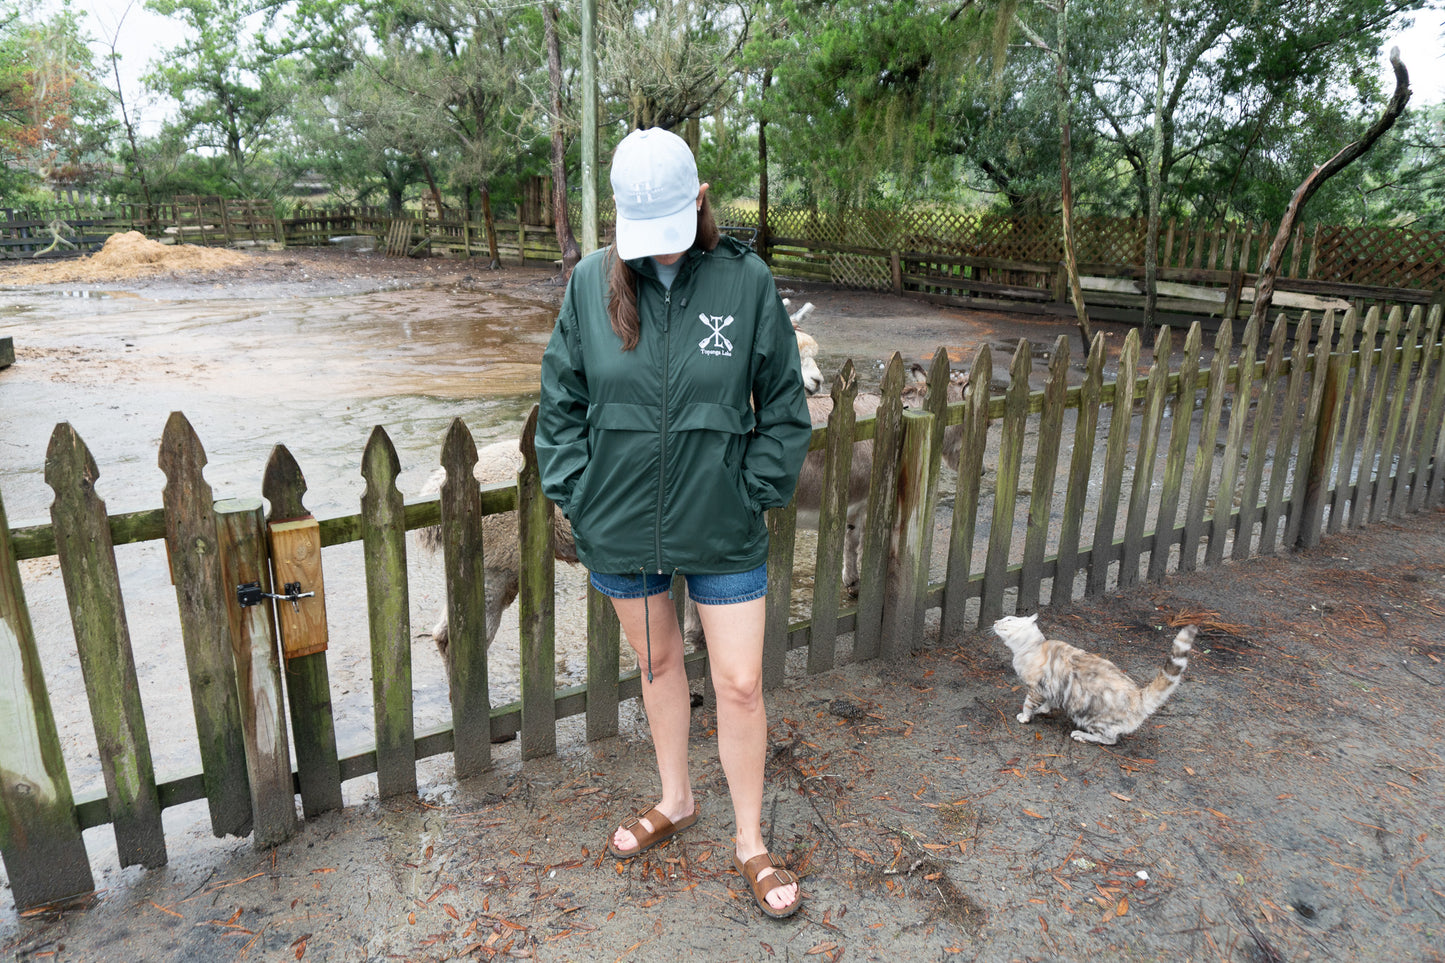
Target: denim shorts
704, 589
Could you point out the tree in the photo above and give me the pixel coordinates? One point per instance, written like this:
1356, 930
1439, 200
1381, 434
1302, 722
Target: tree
666, 62
231, 88
52, 107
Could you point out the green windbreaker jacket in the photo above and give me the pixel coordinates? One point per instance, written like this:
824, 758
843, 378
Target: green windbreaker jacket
664, 457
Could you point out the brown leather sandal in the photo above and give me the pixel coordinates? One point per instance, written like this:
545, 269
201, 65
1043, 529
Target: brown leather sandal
762, 887
663, 829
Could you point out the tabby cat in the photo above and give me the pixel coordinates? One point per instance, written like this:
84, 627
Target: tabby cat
1103, 702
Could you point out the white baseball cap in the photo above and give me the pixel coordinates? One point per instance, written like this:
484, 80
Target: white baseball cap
655, 188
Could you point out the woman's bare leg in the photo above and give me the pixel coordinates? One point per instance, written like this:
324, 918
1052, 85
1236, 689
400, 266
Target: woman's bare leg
667, 699
735, 652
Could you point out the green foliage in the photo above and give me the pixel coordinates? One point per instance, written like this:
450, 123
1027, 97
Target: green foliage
54, 123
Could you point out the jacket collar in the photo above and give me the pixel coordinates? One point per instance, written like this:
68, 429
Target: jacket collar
727, 247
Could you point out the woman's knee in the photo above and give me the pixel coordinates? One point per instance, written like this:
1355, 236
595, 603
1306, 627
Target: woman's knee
743, 689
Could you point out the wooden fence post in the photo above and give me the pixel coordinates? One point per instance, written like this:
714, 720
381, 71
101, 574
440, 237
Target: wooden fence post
1140, 487
308, 683
782, 533
461, 532
40, 840
604, 641
102, 638
965, 502
193, 545
908, 575
1345, 488
1370, 476
882, 503
536, 624
1320, 376
1249, 507
832, 521
1285, 438
1204, 453
1081, 462
1429, 468
1408, 472
242, 530
1179, 432
1051, 426
1120, 416
896, 263
1409, 348
1006, 484
1332, 367
383, 537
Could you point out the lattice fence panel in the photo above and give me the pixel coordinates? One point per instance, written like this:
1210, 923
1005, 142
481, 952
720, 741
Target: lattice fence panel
1110, 240
860, 271
1380, 255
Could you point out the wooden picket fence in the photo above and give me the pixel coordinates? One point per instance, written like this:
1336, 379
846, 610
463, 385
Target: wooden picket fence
1338, 425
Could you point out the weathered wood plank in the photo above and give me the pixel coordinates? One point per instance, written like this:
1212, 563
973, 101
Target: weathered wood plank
1179, 432
1346, 487
1199, 485
1430, 471
1081, 462
1284, 457
878, 526
1245, 375
1006, 486
1407, 478
782, 537
1046, 462
1141, 486
7, 352
308, 681
604, 640
1317, 443
462, 547
1121, 413
940, 382
102, 638
383, 540
1258, 454
536, 623
192, 545
241, 531
908, 575
1404, 363
833, 521
40, 840
965, 503
1370, 473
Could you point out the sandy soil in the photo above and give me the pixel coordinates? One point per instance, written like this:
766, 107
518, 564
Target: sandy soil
1282, 806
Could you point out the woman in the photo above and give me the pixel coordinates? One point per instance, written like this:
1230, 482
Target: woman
672, 416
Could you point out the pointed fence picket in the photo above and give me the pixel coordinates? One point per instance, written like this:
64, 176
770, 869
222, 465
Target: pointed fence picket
1327, 430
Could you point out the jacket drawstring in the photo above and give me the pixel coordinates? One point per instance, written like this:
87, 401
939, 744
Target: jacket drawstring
647, 618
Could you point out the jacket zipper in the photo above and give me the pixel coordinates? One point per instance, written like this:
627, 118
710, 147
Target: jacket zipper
662, 463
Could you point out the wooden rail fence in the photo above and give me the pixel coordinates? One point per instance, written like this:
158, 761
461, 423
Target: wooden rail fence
1070, 490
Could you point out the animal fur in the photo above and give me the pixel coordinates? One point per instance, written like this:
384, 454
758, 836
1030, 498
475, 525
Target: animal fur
1103, 702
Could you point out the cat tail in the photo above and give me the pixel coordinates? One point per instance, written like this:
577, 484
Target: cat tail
1167, 680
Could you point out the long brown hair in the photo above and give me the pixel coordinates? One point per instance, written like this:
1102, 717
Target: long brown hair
622, 280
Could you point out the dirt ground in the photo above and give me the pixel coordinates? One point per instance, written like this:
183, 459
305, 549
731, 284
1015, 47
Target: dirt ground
1284, 805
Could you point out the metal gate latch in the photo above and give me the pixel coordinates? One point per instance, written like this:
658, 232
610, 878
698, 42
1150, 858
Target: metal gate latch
249, 593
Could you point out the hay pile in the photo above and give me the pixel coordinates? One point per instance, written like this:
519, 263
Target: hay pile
128, 255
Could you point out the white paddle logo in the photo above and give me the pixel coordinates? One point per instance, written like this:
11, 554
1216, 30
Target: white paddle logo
715, 344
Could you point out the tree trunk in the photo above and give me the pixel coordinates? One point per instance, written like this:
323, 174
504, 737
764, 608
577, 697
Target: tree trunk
762, 239
491, 223
1155, 181
562, 221
431, 181
1269, 269
1066, 189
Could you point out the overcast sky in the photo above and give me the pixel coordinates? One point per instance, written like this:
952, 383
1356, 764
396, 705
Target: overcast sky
144, 36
